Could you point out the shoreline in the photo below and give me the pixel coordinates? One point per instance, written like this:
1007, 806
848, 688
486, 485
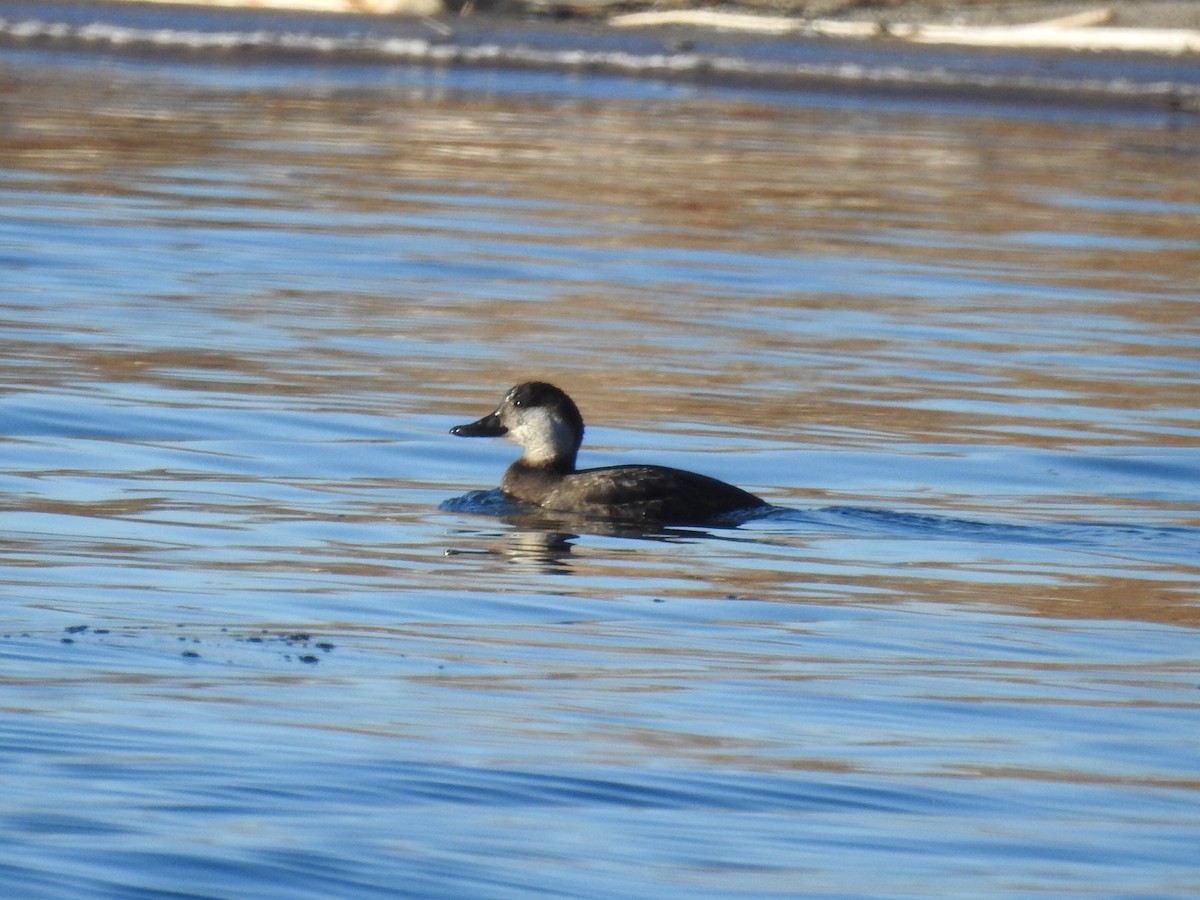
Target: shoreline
797, 60
881, 16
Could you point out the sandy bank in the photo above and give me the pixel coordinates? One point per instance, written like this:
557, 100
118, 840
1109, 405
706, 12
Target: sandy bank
1159, 26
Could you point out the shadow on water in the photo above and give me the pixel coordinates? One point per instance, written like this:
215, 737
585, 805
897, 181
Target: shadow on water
497, 504
548, 537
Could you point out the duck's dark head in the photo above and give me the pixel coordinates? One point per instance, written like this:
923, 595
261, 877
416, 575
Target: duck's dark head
539, 417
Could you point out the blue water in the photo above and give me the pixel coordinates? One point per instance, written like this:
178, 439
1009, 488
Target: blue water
267, 630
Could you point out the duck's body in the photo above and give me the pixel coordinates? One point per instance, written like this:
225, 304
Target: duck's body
547, 424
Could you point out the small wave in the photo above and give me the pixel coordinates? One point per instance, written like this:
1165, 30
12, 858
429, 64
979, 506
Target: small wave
1115, 538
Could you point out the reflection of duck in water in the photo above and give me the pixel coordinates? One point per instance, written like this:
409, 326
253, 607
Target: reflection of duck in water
548, 426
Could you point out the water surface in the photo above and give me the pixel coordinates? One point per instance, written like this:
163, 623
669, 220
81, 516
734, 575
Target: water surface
249, 648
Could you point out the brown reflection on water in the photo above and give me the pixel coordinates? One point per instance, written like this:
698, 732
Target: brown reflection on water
775, 181
1035, 209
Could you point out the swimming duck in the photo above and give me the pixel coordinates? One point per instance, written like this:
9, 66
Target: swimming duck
546, 423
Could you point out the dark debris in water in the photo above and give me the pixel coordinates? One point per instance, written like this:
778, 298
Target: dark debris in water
302, 640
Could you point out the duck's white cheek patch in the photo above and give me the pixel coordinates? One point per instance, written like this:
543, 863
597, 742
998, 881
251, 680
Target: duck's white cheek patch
544, 436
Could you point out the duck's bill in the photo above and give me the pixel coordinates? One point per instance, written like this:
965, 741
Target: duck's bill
488, 426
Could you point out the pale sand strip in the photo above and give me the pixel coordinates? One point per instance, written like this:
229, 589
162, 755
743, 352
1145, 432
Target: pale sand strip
378, 7
1067, 33
1075, 32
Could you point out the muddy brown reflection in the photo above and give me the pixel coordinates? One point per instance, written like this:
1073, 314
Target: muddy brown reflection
724, 276
1003, 196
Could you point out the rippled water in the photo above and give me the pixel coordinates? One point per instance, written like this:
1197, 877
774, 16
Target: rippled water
259, 637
